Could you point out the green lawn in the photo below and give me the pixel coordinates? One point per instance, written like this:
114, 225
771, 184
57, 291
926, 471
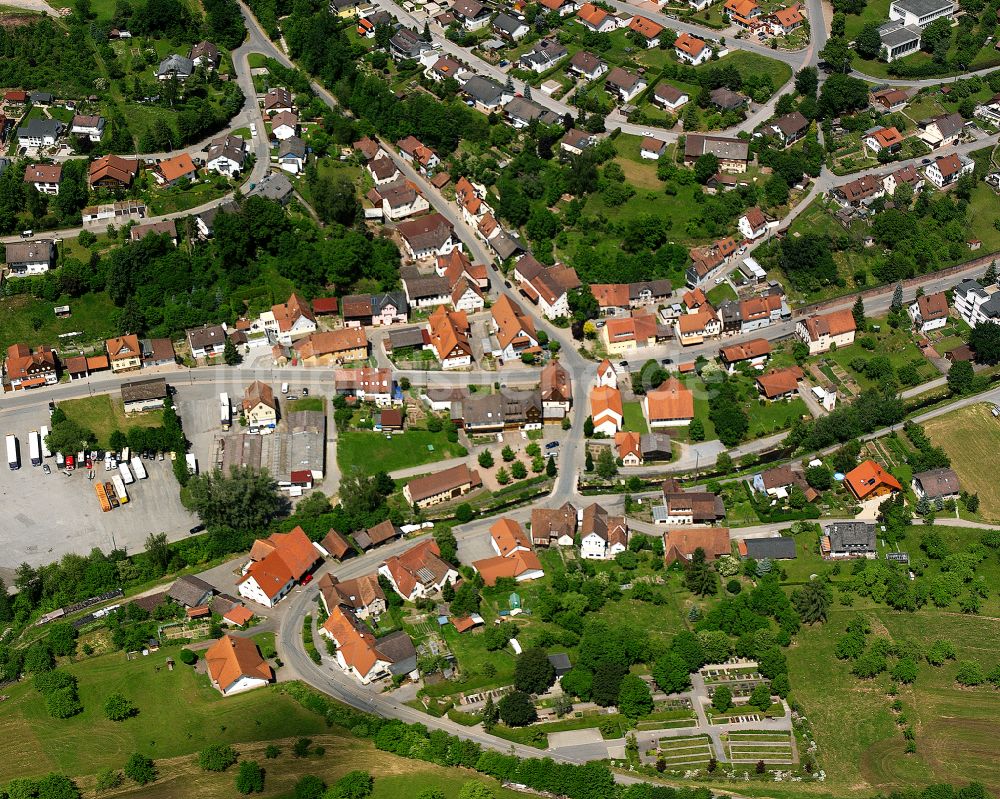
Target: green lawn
257, 60
103, 414
982, 215
720, 294
179, 713
634, 419
748, 63
697, 385
307, 404
971, 437
370, 452
770, 417
170, 200
29, 320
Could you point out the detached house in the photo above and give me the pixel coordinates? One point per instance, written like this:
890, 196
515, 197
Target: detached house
753, 224
929, 311
754, 353
325, 348
175, 67
401, 199
647, 30
849, 540
260, 408
545, 54
691, 50
820, 332
472, 14
363, 595
112, 172
936, 484
509, 27
277, 100
284, 125
974, 303
606, 410
205, 54
362, 655
942, 131
628, 333
870, 480
419, 572
586, 65
33, 257
553, 526
680, 543
206, 341
90, 127
682, 507
602, 536
595, 19
412, 150
733, 154
668, 97
367, 384
44, 177
947, 169
514, 330
226, 155
790, 127
624, 85
170, 171
549, 288
37, 133
563, 7
235, 665
888, 139
780, 383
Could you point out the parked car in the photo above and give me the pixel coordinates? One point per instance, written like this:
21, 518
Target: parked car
305, 391
623, 364
198, 528
552, 445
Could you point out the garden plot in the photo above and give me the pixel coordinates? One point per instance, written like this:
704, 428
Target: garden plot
750, 746
679, 753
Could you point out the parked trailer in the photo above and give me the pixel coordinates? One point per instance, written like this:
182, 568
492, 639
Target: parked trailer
225, 411
102, 497
109, 489
138, 468
35, 448
45, 446
13, 458
120, 491
123, 470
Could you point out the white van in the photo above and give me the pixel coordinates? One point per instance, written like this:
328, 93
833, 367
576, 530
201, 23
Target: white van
284, 388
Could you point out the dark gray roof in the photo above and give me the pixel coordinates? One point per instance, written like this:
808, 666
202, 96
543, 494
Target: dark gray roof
394, 298
40, 128
208, 215
948, 124
938, 482
653, 444
851, 536
190, 590
658, 288
782, 548
507, 23
561, 663
178, 64
527, 110
505, 245
292, 146
482, 410
483, 90
274, 186
921, 8
424, 286
139, 390
893, 34
406, 337
398, 649
34, 251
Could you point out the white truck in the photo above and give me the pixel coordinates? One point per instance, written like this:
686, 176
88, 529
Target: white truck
138, 468
45, 447
13, 458
225, 411
119, 485
192, 463
123, 470
35, 448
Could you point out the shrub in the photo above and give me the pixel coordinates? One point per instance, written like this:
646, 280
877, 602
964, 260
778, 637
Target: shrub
118, 708
188, 658
309, 787
216, 757
353, 785
140, 769
250, 778
970, 673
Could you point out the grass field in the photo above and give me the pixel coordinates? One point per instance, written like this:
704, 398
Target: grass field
897, 345
971, 437
370, 452
770, 417
861, 746
634, 419
103, 414
307, 404
27, 320
748, 63
179, 713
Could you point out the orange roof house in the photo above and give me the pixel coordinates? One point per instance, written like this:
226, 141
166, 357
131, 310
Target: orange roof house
629, 448
357, 649
235, 665
789, 18
277, 563
418, 572
449, 337
294, 547
690, 45
870, 480
591, 16
681, 542
671, 404
780, 382
645, 27
507, 537
520, 566
885, 138
171, 170
606, 410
